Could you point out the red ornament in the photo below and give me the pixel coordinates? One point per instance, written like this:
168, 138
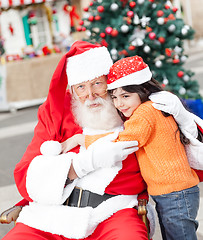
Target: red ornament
124, 2
104, 43
91, 3
132, 4
81, 22
108, 30
114, 33
167, 7
151, 1
171, 17
125, 53
97, 18
131, 48
180, 74
100, 9
176, 60
91, 18
152, 35
130, 14
83, 29
79, 28
11, 29
168, 52
102, 35
161, 39
46, 50
160, 13
32, 14
148, 29
54, 11
175, 9
86, 9
128, 20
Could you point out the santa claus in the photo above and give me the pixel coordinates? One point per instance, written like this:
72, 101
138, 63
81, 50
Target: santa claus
83, 194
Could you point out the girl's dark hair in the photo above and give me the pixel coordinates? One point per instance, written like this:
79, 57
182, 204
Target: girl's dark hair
144, 90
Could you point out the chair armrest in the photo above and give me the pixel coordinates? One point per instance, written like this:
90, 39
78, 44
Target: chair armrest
142, 210
10, 214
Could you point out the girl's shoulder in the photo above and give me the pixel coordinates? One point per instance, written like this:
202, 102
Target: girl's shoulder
146, 111
146, 106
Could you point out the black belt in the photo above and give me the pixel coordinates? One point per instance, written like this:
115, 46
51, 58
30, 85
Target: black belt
84, 198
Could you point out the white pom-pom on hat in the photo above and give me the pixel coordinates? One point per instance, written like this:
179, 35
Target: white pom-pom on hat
50, 148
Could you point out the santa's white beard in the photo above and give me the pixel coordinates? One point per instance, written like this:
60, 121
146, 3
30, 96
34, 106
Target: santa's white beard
103, 117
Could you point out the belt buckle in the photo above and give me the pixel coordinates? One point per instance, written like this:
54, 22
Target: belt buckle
80, 196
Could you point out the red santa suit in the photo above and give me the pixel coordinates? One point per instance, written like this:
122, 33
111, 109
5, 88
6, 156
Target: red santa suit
40, 179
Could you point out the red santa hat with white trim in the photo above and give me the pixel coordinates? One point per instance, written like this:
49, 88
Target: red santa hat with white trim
128, 71
90, 61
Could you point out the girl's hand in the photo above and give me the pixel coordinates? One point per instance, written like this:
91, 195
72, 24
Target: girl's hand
72, 142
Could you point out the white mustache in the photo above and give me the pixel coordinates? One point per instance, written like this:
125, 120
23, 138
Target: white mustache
98, 100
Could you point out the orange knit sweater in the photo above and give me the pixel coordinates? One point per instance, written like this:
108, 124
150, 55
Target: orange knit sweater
161, 156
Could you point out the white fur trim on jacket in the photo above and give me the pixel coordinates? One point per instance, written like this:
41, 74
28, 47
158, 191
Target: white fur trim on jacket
97, 181
46, 177
88, 65
135, 78
194, 150
73, 222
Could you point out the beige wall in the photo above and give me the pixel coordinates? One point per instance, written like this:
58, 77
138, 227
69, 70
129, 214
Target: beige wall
29, 79
193, 15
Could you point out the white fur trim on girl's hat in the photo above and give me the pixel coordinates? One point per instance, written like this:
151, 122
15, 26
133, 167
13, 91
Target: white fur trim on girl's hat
88, 65
128, 71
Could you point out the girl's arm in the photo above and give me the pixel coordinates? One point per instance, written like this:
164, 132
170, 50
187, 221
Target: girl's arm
72, 142
136, 129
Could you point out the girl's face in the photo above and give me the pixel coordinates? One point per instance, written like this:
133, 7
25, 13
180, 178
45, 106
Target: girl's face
125, 102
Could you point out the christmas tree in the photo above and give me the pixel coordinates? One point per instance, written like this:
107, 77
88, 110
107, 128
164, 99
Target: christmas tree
148, 28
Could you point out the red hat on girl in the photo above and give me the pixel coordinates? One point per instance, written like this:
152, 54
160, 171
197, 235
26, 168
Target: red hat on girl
128, 71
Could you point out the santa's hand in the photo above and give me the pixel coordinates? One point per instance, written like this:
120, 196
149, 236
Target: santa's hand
107, 153
170, 103
103, 153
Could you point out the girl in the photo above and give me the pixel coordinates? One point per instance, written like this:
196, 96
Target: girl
164, 166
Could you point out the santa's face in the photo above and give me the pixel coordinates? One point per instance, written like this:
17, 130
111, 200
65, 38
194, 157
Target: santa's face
91, 90
98, 113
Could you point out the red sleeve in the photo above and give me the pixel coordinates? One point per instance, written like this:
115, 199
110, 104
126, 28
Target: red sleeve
199, 172
22, 203
47, 128
41, 134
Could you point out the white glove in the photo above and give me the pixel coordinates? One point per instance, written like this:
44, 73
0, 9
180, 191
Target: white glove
103, 153
170, 103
